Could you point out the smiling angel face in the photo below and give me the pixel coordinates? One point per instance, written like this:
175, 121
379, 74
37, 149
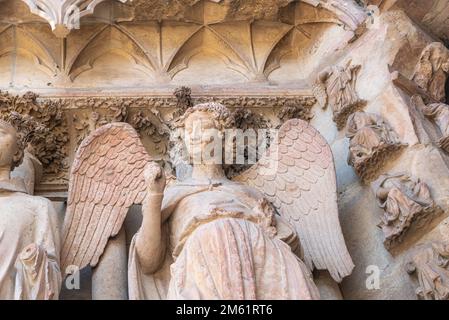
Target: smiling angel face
202, 136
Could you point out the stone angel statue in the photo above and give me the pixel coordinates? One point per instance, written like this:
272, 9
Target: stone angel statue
257, 236
29, 234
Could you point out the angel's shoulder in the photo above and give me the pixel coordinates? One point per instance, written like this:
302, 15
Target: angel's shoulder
247, 189
39, 205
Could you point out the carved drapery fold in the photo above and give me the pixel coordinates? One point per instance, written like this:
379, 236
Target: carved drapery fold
438, 113
336, 86
432, 70
430, 265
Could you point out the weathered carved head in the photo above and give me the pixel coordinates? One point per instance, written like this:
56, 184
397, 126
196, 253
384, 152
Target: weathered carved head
17, 132
204, 125
11, 148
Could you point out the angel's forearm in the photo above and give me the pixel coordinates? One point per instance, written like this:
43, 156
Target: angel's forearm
149, 243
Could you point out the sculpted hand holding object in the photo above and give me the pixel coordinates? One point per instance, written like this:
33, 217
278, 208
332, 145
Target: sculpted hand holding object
29, 239
208, 237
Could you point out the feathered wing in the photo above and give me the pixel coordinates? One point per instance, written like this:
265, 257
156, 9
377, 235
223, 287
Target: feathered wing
298, 176
106, 179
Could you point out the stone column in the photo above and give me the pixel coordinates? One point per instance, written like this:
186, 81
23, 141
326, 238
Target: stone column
109, 278
329, 289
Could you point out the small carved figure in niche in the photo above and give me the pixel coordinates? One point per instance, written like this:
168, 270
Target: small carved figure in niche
405, 201
432, 70
336, 86
372, 141
29, 238
439, 114
430, 264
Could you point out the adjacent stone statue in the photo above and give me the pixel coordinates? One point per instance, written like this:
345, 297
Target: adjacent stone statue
439, 114
405, 201
372, 141
432, 69
208, 237
29, 238
336, 86
431, 265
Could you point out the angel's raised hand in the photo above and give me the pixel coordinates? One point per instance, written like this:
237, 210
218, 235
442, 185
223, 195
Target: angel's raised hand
155, 179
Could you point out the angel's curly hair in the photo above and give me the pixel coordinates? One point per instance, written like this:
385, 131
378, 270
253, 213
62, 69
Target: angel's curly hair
222, 116
27, 130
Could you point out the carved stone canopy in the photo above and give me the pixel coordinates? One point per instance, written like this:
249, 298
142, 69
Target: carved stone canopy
63, 15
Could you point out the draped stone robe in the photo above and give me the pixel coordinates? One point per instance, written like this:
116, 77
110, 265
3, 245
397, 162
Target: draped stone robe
29, 245
224, 243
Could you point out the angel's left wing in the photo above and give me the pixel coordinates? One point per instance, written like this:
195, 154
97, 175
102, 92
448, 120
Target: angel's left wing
298, 176
106, 179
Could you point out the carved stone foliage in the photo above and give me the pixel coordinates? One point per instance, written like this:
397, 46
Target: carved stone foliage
430, 266
439, 114
294, 110
49, 146
405, 201
69, 120
432, 70
336, 86
372, 143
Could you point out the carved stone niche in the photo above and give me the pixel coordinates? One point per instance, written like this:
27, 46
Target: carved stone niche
337, 86
432, 69
372, 143
406, 204
429, 265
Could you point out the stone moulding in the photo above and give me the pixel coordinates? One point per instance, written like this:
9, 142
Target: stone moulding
336, 86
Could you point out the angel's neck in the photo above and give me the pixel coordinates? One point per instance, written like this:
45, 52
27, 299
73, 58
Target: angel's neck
5, 173
207, 171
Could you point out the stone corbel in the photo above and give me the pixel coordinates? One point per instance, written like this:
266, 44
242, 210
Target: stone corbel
63, 15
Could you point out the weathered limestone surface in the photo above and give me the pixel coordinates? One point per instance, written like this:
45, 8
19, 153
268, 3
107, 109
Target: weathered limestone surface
263, 60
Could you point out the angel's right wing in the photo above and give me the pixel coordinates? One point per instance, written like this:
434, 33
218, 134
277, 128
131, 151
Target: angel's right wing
106, 179
297, 175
